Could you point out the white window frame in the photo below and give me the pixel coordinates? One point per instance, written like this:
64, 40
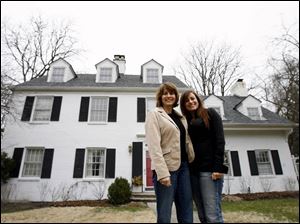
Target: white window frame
106, 109
87, 162
262, 163
151, 76
36, 109
58, 74
228, 164
253, 116
106, 74
148, 106
26, 163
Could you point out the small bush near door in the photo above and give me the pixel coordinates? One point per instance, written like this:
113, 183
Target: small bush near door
119, 191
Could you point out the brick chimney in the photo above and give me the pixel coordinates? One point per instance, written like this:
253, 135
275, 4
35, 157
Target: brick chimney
239, 88
121, 62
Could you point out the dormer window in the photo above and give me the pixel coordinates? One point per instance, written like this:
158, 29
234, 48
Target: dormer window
58, 74
253, 113
105, 74
152, 75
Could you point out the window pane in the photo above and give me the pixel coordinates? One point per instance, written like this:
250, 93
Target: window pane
43, 108
58, 74
263, 163
151, 104
99, 107
227, 162
253, 113
105, 74
33, 163
95, 163
152, 75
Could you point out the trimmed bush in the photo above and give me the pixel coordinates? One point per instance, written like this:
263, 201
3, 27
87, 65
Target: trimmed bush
119, 191
7, 165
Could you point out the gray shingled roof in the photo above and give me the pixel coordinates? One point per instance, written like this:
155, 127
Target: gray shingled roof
88, 80
232, 116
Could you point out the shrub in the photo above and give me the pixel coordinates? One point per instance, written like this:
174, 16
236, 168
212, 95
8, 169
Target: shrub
7, 165
119, 191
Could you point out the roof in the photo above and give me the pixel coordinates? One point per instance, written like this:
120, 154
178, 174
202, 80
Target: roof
88, 80
234, 116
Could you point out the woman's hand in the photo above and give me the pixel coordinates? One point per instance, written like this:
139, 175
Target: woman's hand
216, 175
166, 181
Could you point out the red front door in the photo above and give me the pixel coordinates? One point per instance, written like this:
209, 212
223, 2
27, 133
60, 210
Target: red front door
149, 182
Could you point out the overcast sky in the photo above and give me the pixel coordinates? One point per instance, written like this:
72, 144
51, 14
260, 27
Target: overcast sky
162, 30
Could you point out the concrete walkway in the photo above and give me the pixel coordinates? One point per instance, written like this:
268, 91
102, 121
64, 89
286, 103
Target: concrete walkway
152, 205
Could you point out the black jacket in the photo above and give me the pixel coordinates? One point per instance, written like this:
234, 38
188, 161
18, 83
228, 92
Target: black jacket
209, 144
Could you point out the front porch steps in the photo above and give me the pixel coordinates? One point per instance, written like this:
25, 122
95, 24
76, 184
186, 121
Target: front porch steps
143, 196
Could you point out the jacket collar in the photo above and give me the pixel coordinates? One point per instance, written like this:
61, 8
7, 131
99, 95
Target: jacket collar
164, 114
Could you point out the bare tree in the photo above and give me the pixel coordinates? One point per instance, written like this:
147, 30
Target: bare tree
210, 68
33, 48
27, 52
281, 87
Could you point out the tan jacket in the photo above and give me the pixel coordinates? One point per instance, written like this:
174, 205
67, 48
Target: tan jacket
163, 139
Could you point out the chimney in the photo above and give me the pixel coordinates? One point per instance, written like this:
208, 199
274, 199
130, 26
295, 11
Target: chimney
120, 61
239, 88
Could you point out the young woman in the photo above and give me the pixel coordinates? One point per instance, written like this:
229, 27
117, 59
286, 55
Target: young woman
170, 152
206, 131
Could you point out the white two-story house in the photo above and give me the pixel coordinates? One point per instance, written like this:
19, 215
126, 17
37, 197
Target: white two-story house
72, 134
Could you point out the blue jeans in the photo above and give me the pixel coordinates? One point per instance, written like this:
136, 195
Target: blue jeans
207, 195
179, 192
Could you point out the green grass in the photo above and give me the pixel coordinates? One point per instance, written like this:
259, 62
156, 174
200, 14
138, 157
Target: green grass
279, 209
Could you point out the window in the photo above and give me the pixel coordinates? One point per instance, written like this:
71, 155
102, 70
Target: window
227, 162
33, 162
152, 76
95, 162
106, 74
43, 107
151, 104
253, 113
58, 74
263, 162
99, 109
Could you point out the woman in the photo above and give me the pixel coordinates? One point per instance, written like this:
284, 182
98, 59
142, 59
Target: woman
170, 152
206, 132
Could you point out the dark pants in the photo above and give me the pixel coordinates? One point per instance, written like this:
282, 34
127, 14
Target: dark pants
180, 192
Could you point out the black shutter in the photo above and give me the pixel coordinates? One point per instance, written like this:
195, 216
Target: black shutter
110, 163
84, 109
47, 163
17, 157
27, 108
112, 109
252, 163
137, 159
79, 162
141, 109
56, 108
276, 162
235, 163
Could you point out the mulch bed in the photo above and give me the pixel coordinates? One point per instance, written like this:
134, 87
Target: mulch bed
21, 206
267, 195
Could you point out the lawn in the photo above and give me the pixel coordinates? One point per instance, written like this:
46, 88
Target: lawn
278, 209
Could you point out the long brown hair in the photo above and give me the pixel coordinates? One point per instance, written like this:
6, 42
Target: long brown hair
171, 88
201, 110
